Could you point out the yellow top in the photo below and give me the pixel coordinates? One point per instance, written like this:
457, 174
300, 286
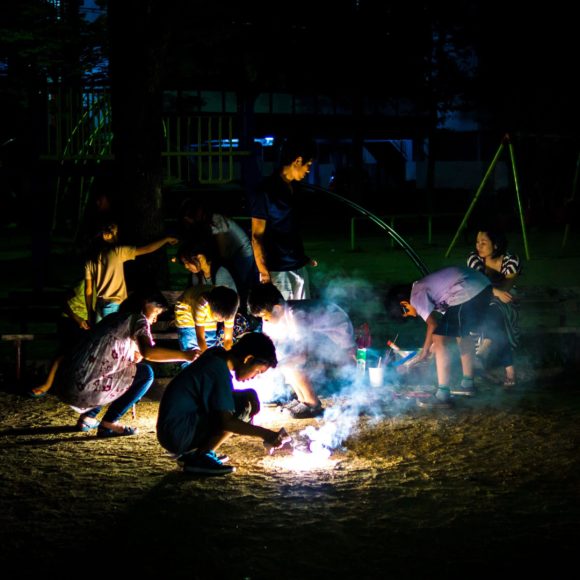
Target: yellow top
107, 273
192, 309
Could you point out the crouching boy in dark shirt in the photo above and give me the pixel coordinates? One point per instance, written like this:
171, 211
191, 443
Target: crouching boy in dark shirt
200, 409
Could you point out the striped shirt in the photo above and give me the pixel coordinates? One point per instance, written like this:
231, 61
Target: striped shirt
510, 264
193, 309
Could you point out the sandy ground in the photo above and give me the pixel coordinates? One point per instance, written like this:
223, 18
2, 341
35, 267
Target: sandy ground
490, 486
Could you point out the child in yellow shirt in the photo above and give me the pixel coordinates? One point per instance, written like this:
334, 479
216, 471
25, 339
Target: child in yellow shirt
197, 313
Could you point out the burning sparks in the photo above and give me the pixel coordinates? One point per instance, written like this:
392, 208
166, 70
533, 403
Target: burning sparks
305, 461
309, 452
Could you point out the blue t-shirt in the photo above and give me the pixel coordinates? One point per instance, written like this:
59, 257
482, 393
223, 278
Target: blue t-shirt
446, 287
273, 201
203, 387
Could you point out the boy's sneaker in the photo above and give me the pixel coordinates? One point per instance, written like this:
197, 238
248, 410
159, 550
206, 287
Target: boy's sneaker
440, 400
204, 464
181, 458
304, 411
465, 389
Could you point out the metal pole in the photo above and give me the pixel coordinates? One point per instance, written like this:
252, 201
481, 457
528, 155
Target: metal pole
574, 185
520, 210
415, 258
477, 193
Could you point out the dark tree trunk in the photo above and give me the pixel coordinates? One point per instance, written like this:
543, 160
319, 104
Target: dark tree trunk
139, 38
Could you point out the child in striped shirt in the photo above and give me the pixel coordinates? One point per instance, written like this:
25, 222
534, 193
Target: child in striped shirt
197, 313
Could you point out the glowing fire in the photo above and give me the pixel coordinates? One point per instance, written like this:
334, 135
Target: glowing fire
309, 452
304, 461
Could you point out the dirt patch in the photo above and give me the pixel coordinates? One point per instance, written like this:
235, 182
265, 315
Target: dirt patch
490, 485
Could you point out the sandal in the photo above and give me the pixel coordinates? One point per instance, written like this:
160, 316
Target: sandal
126, 431
87, 423
509, 383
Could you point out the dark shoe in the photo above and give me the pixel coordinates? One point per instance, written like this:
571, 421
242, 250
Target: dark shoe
279, 402
440, 400
206, 463
305, 411
465, 389
105, 432
434, 403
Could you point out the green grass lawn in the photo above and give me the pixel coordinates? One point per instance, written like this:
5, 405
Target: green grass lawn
354, 279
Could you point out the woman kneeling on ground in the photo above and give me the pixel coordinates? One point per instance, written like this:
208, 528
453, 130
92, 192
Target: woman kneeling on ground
105, 368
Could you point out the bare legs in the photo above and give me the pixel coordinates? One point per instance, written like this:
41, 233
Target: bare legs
40, 390
442, 347
302, 386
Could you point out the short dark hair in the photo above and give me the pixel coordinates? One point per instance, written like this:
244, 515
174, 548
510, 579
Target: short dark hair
188, 251
397, 294
137, 300
223, 301
258, 345
295, 147
263, 298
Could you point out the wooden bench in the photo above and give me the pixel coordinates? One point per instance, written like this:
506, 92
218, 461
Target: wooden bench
26, 309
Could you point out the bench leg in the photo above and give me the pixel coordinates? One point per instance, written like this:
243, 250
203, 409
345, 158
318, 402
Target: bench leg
18, 345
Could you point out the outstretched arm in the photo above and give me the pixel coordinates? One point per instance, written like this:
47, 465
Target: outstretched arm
153, 246
160, 354
258, 231
89, 300
431, 326
272, 439
228, 337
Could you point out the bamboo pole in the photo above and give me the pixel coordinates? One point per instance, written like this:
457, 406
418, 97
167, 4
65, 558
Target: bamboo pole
574, 186
476, 196
518, 198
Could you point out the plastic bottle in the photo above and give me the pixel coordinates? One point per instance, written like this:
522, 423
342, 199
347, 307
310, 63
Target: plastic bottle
361, 360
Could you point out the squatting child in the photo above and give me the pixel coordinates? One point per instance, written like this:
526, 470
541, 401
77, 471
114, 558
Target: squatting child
200, 409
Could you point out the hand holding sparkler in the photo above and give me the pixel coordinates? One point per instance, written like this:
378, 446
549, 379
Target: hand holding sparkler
277, 441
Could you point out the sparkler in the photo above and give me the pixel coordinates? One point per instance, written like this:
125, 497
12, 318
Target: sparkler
406, 355
310, 450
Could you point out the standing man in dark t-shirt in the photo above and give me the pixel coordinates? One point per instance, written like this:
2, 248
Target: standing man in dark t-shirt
276, 240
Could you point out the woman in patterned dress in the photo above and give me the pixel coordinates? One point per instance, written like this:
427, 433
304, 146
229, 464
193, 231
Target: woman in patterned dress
105, 367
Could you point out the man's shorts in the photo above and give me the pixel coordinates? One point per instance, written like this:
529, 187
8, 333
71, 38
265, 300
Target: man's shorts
464, 318
293, 285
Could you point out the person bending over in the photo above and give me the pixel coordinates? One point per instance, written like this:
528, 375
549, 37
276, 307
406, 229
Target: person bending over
315, 337
461, 296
